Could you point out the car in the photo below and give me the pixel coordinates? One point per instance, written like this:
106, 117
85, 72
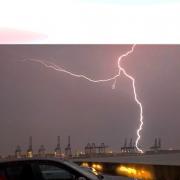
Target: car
43, 169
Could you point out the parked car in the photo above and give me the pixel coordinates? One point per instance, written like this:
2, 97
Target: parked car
43, 169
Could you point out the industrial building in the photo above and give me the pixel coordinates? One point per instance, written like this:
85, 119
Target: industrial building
68, 152
128, 148
92, 149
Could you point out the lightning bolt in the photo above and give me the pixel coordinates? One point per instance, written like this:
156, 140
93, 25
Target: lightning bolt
113, 78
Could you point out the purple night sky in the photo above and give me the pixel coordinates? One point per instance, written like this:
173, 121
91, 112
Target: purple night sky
45, 103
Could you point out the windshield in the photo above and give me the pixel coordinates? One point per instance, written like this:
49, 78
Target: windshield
81, 170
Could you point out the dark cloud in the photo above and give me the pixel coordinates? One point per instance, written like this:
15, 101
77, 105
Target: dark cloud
45, 103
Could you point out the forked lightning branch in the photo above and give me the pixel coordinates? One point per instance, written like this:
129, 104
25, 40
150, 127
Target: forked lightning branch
121, 70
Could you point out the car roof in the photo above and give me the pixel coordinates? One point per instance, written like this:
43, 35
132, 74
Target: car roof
31, 159
63, 161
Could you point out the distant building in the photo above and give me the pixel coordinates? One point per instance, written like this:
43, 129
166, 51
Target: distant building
124, 148
68, 152
128, 149
102, 148
57, 150
42, 151
30, 149
92, 149
87, 149
157, 145
18, 152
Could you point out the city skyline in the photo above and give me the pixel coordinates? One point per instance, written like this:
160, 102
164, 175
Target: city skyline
95, 148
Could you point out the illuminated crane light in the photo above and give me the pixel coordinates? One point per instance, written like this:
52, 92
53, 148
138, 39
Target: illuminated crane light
113, 78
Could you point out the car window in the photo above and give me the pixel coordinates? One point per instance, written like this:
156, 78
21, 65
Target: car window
81, 170
2, 175
19, 172
53, 172
14, 172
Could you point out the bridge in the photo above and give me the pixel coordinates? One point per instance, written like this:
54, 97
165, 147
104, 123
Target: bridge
156, 166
